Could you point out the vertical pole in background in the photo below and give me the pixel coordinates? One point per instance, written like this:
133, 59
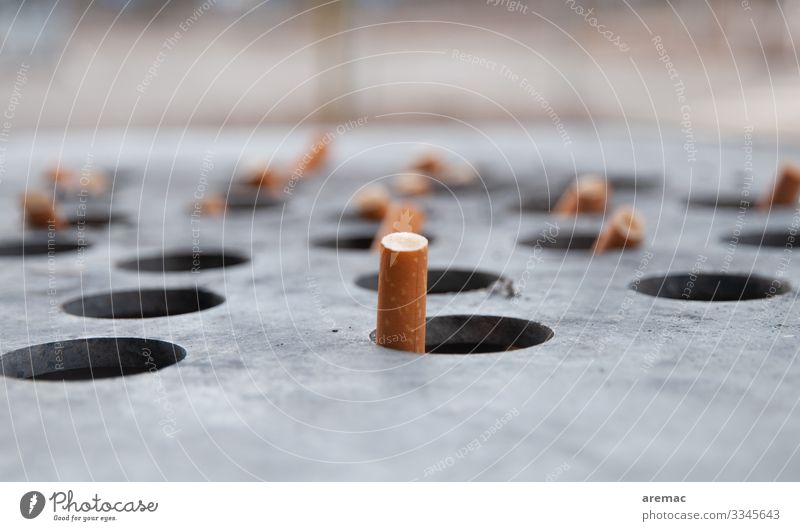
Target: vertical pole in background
329, 19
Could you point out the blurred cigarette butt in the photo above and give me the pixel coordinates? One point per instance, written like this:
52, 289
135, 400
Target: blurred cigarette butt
260, 176
412, 184
373, 202
60, 174
588, 195
624, 230
461, 174
39, 211
400, 217
402, 292
428, 162
786, 189
213, 206
95, 183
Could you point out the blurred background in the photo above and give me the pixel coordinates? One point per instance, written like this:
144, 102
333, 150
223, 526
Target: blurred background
725, 64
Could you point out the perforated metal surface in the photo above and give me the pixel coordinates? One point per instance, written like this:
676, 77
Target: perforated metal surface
281, 380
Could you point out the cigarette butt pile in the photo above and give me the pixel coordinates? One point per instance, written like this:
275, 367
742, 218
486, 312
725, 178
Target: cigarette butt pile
624, 230
786, 190
589, 195
402, 292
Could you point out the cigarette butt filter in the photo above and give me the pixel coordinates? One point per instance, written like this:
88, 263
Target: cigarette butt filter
402, 289
588, 195
624, 230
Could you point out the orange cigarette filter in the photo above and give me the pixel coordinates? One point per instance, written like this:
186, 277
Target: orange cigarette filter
39, 211
786, 189
373, 202
261, 175
400, 217
624, 230
59, 174
588, 195
428, 162
95, 183
213, 206
402, 292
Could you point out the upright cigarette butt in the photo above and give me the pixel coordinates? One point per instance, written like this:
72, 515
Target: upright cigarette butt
373, 201
39, 210
400, 217
786, 189
402, 292
624, 229
588, 195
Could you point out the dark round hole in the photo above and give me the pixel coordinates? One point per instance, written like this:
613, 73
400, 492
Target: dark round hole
142, 304
95, 219
243, 197
353, 242
90, 358
480, 334
783, 239
538, 204
351, 216
444, 281
184, 262
91, 214
572, 241
633, 181
724, 201
715, 287
40, 244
